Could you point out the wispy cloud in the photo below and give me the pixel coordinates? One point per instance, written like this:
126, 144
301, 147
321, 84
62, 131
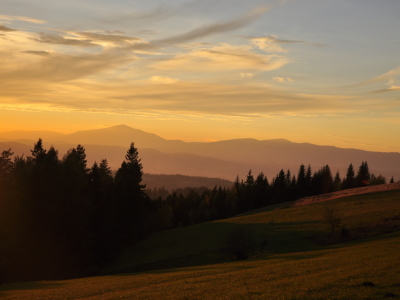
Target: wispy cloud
4, 28
393, 88
222, 58
64, 67
272, 43
163, 79
112, 38
39, 53
282, 79
389, 77
246, 75
60, 40
19, 18
237, 23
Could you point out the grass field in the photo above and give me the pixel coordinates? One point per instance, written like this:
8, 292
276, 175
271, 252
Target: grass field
187, 263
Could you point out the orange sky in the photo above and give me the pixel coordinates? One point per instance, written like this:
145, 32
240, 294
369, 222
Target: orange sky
325, 73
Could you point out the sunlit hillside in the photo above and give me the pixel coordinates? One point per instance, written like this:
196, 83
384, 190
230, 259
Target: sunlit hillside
188, 263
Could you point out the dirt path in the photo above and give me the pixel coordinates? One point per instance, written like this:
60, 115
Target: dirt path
349, 192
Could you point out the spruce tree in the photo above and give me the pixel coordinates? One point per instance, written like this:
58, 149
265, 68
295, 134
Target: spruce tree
350, 181
363, 175
337, 182
301, 182
129, 199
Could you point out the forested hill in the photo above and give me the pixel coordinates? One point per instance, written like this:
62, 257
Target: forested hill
223, 159
173, 182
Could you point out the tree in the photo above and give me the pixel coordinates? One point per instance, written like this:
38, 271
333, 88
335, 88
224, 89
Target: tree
38, 151
392, 180
350, 181
308, 181
376, 180
363, 175
129, 199
332, 217
301, 182
240, 244
326, 179
337, 182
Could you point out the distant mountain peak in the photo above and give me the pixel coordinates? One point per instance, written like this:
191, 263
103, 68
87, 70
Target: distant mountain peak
123, 126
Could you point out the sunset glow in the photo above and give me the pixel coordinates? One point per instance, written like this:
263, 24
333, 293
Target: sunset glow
323, 72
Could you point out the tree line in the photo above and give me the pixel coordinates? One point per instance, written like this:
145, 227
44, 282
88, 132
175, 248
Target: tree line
60, 218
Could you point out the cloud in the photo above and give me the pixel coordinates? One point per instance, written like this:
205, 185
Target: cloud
24, 19
39, 53
179, 97
4, 28
282, 79
268, 44
159, 13
393, 88
246, 75
237, 23
59, 40
86, 39
203, 31
271, 43
222, 57
163, 79
389, 77
112, 38
65, 67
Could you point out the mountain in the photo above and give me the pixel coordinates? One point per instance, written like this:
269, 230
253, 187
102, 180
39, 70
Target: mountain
222, 159
173, 182
120, 135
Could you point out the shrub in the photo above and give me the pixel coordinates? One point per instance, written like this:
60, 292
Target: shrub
332, 217
240, 244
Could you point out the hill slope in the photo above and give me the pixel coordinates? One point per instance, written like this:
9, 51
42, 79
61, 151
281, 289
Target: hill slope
296, 269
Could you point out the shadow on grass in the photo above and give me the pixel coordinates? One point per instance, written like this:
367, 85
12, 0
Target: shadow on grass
26, 286
202, 244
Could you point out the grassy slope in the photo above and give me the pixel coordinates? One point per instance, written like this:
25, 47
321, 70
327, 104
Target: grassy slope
291, 266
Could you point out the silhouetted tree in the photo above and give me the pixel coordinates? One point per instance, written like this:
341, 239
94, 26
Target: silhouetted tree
376, 180
308, 181
337, 182
326, 180
302, 184
363, 175
391, 180
350, 181
129, 199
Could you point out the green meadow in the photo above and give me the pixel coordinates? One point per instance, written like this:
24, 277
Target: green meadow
189, 263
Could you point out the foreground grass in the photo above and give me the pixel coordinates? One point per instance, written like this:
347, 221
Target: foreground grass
286, 230
290, 266
332, 273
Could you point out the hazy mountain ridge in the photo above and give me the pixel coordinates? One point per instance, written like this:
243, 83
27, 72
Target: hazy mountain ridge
171, 182
221, 159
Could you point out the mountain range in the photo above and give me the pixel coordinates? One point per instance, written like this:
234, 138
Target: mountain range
222, 159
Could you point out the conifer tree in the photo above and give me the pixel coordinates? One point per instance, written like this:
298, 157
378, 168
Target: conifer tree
350, 181
308, 181
301, 182
326, 179
129, 198
337, 182
363, 175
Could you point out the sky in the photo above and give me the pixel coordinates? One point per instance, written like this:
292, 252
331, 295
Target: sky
325, 72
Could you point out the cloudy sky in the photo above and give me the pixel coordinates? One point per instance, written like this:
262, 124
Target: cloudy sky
320, 71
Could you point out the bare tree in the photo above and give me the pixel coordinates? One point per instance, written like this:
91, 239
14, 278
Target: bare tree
332, 217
